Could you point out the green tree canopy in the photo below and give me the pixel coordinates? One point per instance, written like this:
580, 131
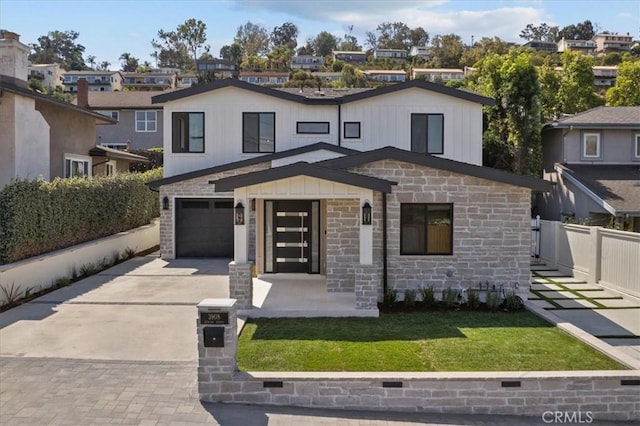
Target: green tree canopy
180, 48
542, 32
484, 47
549, 80
253, 39
626, 92
577, 92
129, 62
285, 35
446, 51
59, 47
323, 44
582, 31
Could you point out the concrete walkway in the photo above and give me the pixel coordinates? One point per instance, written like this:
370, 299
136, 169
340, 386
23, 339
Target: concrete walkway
609, 316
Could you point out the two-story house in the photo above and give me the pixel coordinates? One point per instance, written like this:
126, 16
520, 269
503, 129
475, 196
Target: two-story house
437, 74
386, 76
587, 47
307, 62
594, 160
370, 189
99, 81
397, 54
423, 52
607, 43
350, 56
49, 74
149, 81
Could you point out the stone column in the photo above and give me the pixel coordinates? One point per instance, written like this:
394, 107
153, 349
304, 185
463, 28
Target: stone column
217, 345
241, 284
368, 279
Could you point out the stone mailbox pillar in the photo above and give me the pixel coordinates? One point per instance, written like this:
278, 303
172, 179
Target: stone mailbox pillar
217, 345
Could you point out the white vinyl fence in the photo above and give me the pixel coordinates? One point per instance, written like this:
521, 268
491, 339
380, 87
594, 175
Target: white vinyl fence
598, 255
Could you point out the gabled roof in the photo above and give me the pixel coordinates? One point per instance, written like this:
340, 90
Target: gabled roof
103, 151
623, 117
230, 82
14, 85
615, 187
250, 162
391, 153
302, 169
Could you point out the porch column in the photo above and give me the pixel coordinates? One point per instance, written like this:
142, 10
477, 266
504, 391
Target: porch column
240, 277
366, 231
367, 275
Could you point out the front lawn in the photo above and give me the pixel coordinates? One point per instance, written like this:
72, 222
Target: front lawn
420, 341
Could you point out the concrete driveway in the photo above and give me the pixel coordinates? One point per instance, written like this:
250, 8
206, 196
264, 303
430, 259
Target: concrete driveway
142, 310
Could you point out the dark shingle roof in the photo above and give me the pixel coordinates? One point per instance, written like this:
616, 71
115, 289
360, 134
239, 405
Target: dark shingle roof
122, 100
617, 185
602, 117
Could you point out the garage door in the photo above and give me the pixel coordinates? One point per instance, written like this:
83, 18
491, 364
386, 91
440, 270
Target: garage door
204, 227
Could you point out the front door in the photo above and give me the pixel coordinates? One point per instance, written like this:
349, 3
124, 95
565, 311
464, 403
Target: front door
292, 236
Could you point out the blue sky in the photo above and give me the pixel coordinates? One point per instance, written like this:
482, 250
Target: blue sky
109, 28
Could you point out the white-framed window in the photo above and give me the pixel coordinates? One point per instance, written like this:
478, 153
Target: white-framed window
115, 145
636, 146
146, 121
110, 168
77, 166
591, 145
112, 114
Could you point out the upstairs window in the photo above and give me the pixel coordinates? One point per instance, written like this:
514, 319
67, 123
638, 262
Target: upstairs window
591, 145
426, 229
636, 145
187, 132
112, 114
352, 130
258, 132
427, 133
312, 128
145, 121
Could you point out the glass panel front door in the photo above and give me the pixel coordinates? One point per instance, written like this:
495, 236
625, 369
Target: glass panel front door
292, 236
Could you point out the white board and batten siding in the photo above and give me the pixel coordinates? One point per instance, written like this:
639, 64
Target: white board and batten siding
385, 121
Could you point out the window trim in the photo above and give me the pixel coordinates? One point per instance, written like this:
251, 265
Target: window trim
598, 146
176, 149
111, 113
426, 253
300, 132
344, 133
244, 150
427, 115
636, 146
78, 159
110, 168
146, 125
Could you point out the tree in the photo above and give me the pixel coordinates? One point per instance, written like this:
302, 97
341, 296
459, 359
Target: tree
350, 42
418, 37
60, 47
253, 39
549, 80
626, 91
280, 57
352, 77
392, 35
542, 32
484, 47
91, 60
179, 48
582, 31
285, 35
129, 63
323, 44
446, 50
512, 138
104, 65
577, 92
194, 35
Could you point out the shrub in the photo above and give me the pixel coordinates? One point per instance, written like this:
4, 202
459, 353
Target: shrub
390, 297
38, 217
409, 297
493, 300
428, 296
513, 302
473, 299
449, 297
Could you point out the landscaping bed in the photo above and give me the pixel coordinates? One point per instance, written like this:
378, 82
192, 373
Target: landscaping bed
415, 341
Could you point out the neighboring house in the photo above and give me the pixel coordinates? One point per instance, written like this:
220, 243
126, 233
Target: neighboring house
607, 43
99, 81
399, 54
605, 76
423, 52
437, 74
186, 80
307, 62
39, 135
374, 189
386, 76
265, 78
328, 76
584, 46
541, 46
350, 56
139, 122
594, 160
221, 68
49, 74
149, 81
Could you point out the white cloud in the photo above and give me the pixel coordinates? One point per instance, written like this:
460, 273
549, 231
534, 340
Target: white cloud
625, 15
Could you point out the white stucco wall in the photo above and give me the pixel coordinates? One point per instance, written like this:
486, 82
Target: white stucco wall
31, 141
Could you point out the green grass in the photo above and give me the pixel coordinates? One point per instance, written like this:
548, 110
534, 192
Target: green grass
431, 341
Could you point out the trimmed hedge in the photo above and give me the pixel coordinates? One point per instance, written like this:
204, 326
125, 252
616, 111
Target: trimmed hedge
38, 217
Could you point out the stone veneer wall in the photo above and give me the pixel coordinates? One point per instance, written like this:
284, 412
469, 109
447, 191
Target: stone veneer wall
491, 240
343, 243
199, 188
606, 395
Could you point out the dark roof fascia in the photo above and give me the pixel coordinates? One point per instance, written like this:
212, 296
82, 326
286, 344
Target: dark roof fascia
232, 82
427, 85
592, 126
250, 162
99, 151
391, 153
9, 84
302, 169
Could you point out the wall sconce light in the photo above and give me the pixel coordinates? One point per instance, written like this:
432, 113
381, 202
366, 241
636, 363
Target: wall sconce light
165, 203
252, 205
366, 213
239, 216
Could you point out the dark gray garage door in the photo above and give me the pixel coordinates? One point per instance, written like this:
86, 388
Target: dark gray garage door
204, 227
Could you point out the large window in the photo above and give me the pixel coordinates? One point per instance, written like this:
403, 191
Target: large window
76, 166
258, 132
312, 127
145, 121
352, 130
187, 132
427, 133
426, 228
591, 145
